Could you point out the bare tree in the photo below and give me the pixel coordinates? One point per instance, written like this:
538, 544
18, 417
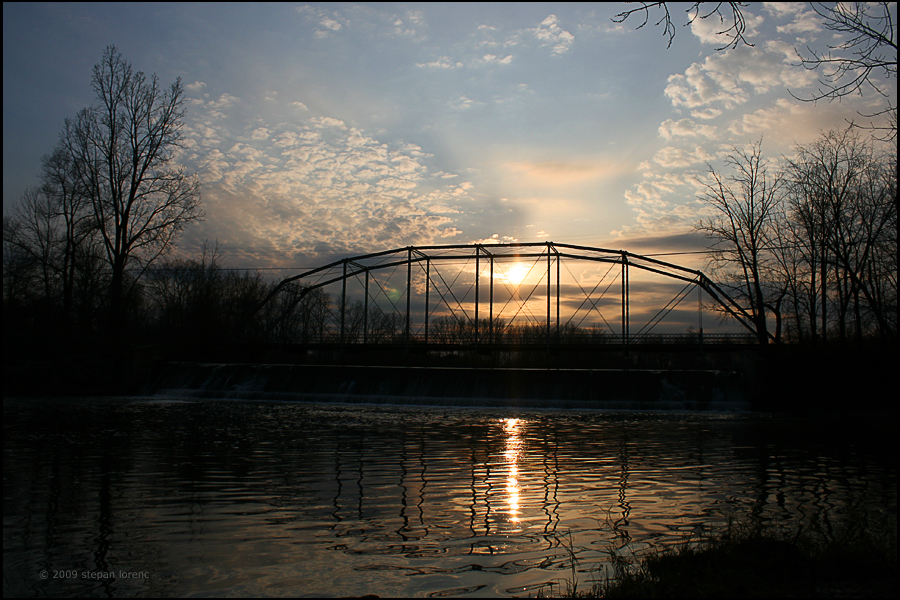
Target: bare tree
71, 207
31, 239
733, 25
744, 205
792, 271
121, 151
843, 195
867, 49
50, 256
185, 293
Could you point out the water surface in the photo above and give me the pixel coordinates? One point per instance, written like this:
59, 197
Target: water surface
163, 497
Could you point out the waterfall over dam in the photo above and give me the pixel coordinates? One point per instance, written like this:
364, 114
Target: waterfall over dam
538, 388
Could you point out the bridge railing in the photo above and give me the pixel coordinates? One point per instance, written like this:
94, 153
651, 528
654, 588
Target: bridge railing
536, 341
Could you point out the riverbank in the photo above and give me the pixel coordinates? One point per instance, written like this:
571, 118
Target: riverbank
777, 379
855, 559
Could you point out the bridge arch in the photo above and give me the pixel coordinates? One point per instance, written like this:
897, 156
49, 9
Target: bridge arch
423, 291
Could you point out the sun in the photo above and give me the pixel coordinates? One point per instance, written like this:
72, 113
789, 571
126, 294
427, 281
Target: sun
516, 273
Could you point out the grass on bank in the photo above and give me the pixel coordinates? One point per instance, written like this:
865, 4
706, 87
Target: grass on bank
857, 559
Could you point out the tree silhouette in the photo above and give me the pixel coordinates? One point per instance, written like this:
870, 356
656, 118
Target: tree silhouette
734, 25
121, 151
744, 205
843, 195
868, 48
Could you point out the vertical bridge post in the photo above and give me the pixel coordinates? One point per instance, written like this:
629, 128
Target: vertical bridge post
427, 288
558, 332
408, 288
491, 305
366, 312
548, 296
343, 299
477, 278
625, 299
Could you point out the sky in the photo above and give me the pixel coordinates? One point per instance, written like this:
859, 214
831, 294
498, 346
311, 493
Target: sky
328, 130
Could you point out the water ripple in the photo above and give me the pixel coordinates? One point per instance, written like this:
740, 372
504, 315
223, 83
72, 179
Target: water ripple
256, 498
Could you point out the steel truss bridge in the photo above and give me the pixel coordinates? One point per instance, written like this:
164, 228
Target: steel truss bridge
490, 294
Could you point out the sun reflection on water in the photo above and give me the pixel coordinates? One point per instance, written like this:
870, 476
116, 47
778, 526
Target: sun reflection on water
511, 427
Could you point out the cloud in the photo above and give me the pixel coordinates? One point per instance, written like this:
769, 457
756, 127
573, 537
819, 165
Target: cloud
706, 113
560, 172
496, 239
328, 122
713, 29
444, 62
409, 25
328, 23
803, 20
464, 103
490, 59
549, 33
671, 157
789, 121
668, 242
730, 78
489, 46
686, 128
196, 86
697, 89
277, 190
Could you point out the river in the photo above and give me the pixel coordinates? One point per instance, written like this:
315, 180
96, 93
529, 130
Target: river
171, 497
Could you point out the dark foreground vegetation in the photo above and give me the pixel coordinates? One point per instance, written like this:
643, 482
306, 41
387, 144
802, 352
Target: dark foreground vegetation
852, 559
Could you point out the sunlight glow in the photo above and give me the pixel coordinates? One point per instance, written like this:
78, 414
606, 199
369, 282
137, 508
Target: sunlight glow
513, 449
515, 273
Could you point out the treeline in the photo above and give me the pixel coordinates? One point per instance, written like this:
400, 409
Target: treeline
197, 301
809, 247
111, 203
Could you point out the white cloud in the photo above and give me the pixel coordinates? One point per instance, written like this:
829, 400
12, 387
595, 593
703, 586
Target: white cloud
496, 239
279, 189
730, 78
463, 103
196, 86
697, 89
326, 23
328, 122
490, 59
783, 9
444, 62
803, 20
788, 122
408, 25
671, 157
706, 113
549, 33
715, 28
329, 23
686, 128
